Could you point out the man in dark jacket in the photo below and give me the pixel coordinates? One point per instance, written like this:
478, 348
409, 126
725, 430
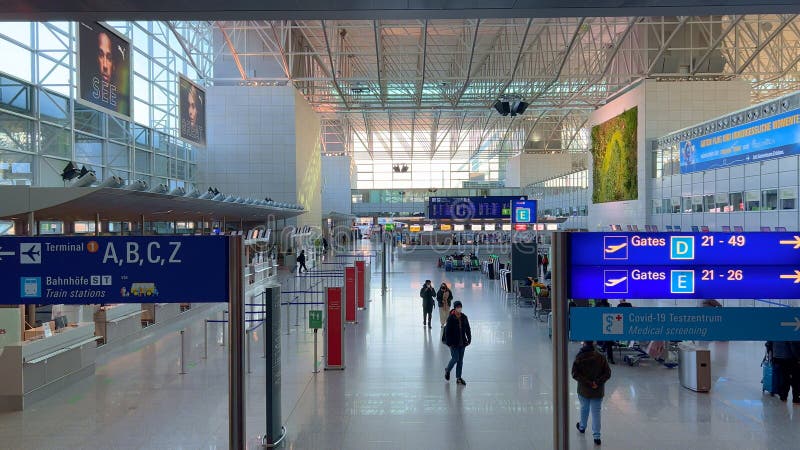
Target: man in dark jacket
457, 336
301, 262
427, 293
591, 371
786, 363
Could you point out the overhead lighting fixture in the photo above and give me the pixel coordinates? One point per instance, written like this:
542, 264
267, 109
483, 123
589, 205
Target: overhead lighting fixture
510, 105
70, 171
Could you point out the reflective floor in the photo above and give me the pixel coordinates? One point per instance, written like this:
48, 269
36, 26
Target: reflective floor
392, 394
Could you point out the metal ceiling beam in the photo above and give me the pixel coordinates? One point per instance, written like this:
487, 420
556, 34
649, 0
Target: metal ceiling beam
563, 62
610, 61
424, 38
333, 67
469, 66
517, 60
185, 48
379, 61
665, 45
235, 55
773, 35
716, 43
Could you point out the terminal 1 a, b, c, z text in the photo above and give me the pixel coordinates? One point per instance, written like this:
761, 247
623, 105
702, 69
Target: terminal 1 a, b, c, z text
152, 254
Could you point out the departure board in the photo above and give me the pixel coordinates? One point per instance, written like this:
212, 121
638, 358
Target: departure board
464, 208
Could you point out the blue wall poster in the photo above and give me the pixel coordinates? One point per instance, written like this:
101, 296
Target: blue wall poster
772, 137
119, 269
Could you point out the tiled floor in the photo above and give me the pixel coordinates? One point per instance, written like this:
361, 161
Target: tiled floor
392, 394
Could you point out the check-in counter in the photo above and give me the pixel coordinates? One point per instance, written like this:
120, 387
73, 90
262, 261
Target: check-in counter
115, 322
35, 369
160, 312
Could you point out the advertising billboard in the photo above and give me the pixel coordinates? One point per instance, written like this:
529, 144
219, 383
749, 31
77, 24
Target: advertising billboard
769, 138
465, 208
614, 147
193, 111
104, 68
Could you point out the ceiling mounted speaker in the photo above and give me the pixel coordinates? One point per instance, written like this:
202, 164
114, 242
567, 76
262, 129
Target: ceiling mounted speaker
521, 107
502, 107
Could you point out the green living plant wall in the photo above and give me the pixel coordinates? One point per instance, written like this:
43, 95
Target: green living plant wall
615, 163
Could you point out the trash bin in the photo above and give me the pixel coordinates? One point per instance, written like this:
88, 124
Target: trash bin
694, 365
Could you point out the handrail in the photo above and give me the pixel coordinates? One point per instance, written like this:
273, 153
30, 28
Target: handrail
126, 316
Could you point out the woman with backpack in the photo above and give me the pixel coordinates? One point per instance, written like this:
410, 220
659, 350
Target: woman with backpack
444, 298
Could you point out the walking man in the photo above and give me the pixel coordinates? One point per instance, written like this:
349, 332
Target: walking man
301, 262
591, 371
457, 335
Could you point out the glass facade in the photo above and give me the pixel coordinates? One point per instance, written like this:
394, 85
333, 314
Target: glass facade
42, 126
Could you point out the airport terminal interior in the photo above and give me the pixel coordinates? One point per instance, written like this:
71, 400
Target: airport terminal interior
249, 225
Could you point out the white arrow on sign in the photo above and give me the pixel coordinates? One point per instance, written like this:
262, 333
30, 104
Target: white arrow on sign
795, 324
6, 254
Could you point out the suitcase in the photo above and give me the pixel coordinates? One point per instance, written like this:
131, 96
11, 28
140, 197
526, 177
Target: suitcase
768, 383
448, 266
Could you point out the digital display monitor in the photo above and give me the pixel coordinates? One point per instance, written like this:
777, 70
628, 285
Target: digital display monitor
414, 228
445, 227
465, 208
458, 227
193, 111
477, 227
523, 211
520, 227
489, 227
427, 227
104, 68
506, 227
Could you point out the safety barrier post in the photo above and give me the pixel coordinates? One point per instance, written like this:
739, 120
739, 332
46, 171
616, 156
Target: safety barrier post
183, 356
247, 349
205, 339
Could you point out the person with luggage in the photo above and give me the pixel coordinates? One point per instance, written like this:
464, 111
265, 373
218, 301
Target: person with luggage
591, 370
444, 298
427, 293
545, 262
785, 357
457, 335
539, 263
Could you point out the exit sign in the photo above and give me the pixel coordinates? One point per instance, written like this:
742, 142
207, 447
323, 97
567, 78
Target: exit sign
315, 319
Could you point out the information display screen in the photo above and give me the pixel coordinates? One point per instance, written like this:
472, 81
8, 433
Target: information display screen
465, 208
685, 265
523, 211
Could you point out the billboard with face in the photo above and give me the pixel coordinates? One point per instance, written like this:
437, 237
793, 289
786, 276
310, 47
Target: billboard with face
104, 68
193, 112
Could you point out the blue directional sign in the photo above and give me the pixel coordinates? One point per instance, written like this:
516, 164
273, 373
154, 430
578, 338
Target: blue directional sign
681, 324
90, 270
685, 265
625, 249
523, 211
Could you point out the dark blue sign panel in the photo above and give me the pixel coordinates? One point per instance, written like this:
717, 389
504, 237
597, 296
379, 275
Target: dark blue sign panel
684, 324
625, 249
773, 137
687, 282
523, 211
126, 269
465, 208
685, 265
